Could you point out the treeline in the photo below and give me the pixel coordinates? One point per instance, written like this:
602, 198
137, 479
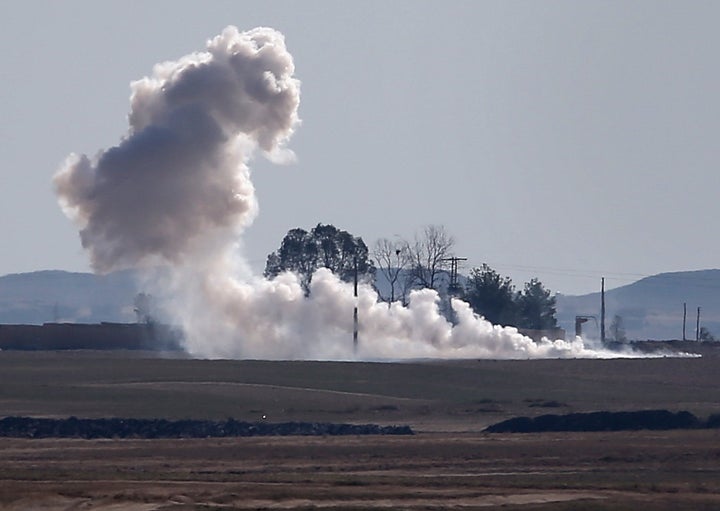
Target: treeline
72, 427
496, 299
427, 260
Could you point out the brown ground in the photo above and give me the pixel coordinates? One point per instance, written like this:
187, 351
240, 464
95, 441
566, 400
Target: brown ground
449, 464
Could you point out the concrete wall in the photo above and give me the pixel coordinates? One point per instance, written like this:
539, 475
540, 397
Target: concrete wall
77, 336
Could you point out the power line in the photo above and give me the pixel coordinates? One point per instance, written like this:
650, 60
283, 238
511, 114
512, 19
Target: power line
570, 271
615, 276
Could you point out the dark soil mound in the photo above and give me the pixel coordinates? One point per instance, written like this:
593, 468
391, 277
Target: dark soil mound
598, 421
713, 421
28, 427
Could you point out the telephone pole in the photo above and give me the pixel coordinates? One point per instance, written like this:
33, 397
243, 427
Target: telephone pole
355, 310
602, 310
684, 319
454, 285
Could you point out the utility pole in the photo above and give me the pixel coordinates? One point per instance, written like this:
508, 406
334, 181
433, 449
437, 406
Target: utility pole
697, 326
355, 310
684, 319
392, 283
602, 310
454, 285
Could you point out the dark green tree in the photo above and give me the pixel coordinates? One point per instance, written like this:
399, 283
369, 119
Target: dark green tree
325, 246
536, 307
492, 296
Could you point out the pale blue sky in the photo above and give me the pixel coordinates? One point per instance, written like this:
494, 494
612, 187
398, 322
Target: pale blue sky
563, 140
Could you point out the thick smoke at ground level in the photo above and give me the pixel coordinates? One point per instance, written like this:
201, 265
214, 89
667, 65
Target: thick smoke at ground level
273, 319
176, 191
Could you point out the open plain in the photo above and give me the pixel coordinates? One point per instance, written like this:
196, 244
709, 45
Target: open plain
449, 464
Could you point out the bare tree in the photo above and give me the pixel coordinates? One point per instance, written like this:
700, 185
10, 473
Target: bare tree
429, 256
392, 260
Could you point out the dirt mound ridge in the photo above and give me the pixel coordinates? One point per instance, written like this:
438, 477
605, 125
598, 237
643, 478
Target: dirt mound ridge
599, 421
72, 427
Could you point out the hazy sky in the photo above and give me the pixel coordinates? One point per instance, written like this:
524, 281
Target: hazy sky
563, 140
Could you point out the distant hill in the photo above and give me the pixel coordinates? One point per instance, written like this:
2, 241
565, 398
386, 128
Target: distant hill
51, 296
58, 296
651, 308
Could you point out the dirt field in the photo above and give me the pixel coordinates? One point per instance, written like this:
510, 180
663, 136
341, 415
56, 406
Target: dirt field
449, 463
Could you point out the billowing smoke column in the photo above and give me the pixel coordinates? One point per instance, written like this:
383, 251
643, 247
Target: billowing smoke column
176, 191
179, 177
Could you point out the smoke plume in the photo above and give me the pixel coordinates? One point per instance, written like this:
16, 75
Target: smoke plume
176, 192
179, 179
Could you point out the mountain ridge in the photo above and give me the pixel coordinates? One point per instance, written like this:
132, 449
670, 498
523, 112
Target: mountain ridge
651, 307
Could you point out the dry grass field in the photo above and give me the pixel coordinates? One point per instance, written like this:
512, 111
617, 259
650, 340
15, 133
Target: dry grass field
448, 464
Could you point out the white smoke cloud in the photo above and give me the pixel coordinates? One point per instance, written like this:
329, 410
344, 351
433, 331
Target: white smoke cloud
179, 178
273, 319
177, 191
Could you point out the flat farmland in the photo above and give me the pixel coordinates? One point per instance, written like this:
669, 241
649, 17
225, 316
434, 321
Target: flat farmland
449, 463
